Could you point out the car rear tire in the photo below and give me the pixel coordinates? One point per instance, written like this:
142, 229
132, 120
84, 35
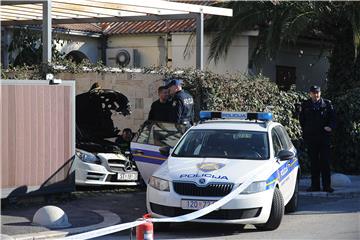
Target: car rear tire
276, 213
293, 203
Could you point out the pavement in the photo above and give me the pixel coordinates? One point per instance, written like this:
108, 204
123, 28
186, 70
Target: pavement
94, 209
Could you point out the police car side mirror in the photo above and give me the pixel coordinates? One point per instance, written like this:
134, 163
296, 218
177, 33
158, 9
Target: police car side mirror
165, 151
285, 155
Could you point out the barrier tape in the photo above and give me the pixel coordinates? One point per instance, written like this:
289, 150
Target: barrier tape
184, 218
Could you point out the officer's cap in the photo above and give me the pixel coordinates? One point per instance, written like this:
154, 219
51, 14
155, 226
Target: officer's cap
314, 88
173, 82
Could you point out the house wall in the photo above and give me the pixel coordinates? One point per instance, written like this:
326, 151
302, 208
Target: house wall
90, 46
235, 62
151, 47
154, 50
310, 61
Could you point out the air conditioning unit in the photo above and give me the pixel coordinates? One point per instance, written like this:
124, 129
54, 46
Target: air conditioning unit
122, 57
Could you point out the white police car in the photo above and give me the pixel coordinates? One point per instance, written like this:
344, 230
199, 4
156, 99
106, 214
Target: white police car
214, 157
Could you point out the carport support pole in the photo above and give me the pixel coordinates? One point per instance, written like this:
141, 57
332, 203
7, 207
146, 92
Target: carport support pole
200, 41
46, 35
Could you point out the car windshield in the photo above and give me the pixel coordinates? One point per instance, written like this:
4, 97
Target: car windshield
234, 144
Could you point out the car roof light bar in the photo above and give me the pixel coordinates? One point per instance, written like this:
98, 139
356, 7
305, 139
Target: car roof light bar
262, 116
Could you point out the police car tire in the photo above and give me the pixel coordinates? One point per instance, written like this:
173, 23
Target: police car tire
276, 213
293, 203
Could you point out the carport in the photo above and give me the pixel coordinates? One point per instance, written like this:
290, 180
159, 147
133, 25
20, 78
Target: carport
48, 12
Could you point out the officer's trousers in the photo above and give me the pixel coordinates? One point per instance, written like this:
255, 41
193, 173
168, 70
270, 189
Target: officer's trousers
319, 154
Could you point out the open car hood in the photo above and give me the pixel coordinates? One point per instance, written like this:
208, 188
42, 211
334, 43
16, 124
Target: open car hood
94, 110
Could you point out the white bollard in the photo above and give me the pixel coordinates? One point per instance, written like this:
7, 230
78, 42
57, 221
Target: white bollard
51, 217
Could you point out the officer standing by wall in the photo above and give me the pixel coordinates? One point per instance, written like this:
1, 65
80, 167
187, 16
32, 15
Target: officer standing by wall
182, 103
317, 120
161, 109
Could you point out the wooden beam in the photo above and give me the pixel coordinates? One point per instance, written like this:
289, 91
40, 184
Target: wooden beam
116, 6
105, 19
18, 17
173, 6
89, 9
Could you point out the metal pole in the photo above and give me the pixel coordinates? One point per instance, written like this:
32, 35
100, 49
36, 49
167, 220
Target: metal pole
200, 41
46, 36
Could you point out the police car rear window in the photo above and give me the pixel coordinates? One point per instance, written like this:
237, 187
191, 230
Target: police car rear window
234, 144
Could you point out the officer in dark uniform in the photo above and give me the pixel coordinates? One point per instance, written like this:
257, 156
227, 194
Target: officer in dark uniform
161, 109
182, 103
317, 120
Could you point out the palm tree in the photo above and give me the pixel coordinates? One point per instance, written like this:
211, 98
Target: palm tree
284, 23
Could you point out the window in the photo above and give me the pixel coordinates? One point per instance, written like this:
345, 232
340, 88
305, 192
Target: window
234, 144
276, 142
143, 134
284, 137
166, 134
285, 77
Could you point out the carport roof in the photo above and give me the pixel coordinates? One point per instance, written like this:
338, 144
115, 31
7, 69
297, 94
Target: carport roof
51, 12
86, 11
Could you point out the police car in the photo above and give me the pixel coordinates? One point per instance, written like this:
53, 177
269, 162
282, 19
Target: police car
214, 157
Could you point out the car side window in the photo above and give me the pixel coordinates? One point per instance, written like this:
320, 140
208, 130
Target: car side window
143, 134
282, 137
286, 137
165, 134
276, 142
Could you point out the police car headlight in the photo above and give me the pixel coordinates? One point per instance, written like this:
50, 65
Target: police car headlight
87, 157
159, 184
255, 187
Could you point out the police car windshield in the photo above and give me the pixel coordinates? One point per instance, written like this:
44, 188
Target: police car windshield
234, 144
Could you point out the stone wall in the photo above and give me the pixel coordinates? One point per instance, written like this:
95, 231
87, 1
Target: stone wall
140, 89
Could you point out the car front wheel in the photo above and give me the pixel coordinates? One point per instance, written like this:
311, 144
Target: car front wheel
276, 213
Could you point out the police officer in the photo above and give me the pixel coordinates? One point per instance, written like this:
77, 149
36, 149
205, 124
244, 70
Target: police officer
317, 120
161, 109
182, 103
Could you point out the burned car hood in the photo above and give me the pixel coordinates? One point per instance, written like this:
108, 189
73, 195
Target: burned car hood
94, 110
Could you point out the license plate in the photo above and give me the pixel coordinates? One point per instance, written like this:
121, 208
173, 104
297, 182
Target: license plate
127, 176
195, 204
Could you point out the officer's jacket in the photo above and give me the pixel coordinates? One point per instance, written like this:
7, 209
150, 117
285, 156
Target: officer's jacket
182, 107
315, 116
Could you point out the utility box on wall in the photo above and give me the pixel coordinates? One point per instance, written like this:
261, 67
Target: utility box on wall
37, 137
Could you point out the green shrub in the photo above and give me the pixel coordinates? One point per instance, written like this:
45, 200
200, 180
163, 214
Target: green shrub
347, 134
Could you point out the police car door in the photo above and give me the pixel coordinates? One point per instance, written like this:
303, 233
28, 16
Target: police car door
151, 137
282, 165
290, 175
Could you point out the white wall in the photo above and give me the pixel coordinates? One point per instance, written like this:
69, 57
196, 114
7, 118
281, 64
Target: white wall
90, 46
151, 47
235, 62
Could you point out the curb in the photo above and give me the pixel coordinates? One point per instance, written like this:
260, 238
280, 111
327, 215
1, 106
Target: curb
350, 194
110, 219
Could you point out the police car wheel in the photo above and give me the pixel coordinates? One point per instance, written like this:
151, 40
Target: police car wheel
293, 203
276, 213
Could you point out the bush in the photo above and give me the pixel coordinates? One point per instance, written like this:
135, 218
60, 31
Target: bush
347, 134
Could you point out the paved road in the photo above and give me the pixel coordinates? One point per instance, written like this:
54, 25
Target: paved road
317, 218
